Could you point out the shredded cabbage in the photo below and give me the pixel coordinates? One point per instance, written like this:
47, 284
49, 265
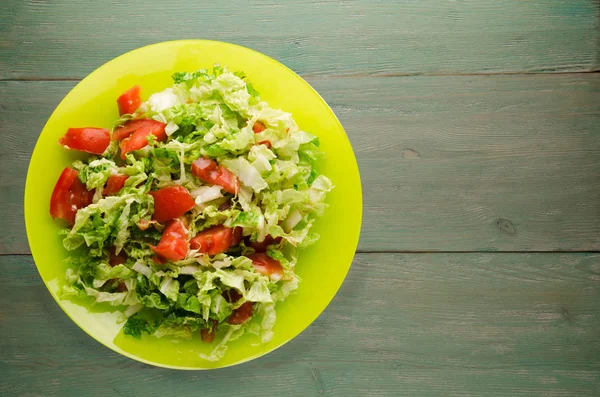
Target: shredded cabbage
208, 114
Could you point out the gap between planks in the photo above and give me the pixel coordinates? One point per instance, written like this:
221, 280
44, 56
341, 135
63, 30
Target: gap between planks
363, 75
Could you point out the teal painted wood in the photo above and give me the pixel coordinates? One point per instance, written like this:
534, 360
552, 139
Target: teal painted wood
69, 39
465, 163
402, 325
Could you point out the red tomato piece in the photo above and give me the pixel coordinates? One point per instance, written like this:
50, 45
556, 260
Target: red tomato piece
171, 202
227, 180
128, 128
60, 203
212, 241
173, 245
203, 167
210, 172
208, 334
258, 127
68, 196
177, 229
262, 247
114, 184
158, 260
264, 264
91, 140
116, 259
138, 138
241, 314
236, 237
80, 197
232, 295
129, 101
121, 287
266, 143
225, 206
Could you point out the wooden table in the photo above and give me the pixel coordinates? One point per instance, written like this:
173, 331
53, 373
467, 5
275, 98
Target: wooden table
476, 125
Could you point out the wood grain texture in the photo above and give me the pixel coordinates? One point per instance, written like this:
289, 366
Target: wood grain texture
449, 163
402, 325
70, 38
465, 163
475, 163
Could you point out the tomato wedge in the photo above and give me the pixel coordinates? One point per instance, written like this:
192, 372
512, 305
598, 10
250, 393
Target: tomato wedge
60, 202
91, 140
236, 237
208, 334
262, 247
207, 170
258, 127
241, 314
227, 180
68, 196
212, 241
138, 138
232, 295
114, 184
264, 264
171, 202
158, 260
225, 206
124, 130
116, 259
203, 167
129, 101
80, 197
173, 245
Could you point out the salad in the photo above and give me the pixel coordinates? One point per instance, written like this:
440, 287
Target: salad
189, 213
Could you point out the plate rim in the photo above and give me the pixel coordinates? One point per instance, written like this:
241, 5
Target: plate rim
29, 224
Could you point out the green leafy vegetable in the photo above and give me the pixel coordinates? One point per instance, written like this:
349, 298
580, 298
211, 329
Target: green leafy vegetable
210, 113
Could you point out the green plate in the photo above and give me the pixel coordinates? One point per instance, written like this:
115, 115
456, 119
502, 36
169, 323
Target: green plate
93, 103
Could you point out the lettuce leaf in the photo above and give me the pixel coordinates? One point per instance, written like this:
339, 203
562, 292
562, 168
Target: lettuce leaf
211, 113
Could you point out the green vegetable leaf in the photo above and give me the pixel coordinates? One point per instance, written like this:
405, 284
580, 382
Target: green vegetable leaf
137, 325
207, 113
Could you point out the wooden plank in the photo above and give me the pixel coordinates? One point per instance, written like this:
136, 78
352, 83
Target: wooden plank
69, 39
402, 325
475, 163
455, 164
23, 112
